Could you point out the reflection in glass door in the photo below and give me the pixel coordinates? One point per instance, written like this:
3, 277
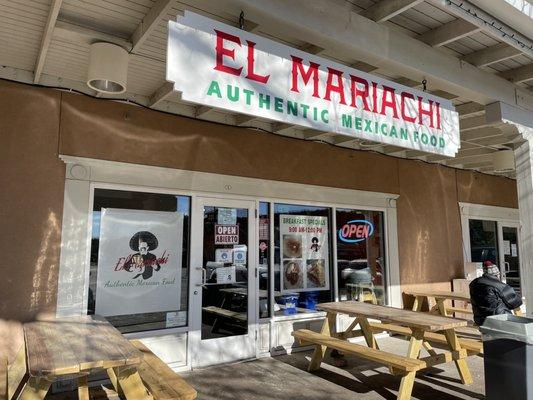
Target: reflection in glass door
511, 264
225, 272
224, 283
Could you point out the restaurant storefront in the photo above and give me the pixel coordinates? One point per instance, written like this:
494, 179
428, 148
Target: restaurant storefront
212, 242
358, 226
253, 263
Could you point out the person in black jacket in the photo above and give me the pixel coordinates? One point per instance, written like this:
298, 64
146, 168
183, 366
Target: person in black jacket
490, 296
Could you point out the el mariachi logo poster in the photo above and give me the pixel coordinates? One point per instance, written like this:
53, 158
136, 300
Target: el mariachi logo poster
139, 262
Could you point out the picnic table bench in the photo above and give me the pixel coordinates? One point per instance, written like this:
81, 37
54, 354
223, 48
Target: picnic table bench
420, 328
440, 297
73, 348
159, 379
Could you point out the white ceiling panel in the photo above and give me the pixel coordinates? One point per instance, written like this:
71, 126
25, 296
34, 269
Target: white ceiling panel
22, 25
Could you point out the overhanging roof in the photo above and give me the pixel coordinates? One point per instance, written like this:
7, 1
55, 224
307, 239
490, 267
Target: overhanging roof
48, 42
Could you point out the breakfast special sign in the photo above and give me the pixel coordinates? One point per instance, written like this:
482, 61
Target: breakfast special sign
217, 65
305, 255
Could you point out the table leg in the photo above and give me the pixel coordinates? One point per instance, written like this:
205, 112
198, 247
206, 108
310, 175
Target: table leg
35, 389
462, 366
114, 380
429, 349
418, 303
346, 334
327, 329
415, 304
442, 307
408, 380
369, 336
83, 390
367, 333
406, 386
130, 382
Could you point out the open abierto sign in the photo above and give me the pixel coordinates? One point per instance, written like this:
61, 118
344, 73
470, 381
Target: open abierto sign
221, 66
226, 234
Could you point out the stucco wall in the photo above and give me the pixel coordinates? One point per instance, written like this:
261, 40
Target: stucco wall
31, 197
428, 214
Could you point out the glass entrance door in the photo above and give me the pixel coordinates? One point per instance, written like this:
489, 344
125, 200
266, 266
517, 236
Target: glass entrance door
223, 284
510, 256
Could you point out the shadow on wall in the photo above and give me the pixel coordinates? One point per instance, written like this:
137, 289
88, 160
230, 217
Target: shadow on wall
44, 280
38, 293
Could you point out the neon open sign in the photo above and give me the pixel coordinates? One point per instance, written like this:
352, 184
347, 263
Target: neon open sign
356, 231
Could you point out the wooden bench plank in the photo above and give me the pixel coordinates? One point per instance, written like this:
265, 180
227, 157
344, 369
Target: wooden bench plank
379, 356
459, 310
241, 316
468, 344
3, 378
158, 377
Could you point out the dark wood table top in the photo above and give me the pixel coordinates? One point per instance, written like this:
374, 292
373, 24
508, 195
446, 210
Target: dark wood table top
72, 345
399, 316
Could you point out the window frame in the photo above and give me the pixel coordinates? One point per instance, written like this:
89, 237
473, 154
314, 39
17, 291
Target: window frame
502, 216
332, 232
144, 189
386, 285
84, 174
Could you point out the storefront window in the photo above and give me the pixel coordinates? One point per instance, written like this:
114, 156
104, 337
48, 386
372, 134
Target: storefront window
302, 257
483, 241
139, 261
361, 256
264, 259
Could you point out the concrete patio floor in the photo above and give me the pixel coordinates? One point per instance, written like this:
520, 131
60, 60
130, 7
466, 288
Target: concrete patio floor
286, 377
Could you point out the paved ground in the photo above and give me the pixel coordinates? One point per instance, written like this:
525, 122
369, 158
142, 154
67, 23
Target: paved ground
285, 377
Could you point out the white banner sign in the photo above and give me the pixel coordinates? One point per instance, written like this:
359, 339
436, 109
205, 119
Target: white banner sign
139, 262
305, 254
221, 66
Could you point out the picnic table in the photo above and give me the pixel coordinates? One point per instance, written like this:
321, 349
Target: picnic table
441, 297
75, 347
421, 329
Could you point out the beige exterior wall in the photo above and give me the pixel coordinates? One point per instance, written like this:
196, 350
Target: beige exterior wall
39, 124
31, 200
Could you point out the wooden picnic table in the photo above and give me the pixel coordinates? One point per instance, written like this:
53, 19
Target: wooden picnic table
74, 347
420, 328
440, 297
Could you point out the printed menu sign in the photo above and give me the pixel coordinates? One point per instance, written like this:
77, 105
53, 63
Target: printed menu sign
139, 262
305, 254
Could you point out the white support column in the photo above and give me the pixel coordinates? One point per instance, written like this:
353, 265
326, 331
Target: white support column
523, 122
524, 178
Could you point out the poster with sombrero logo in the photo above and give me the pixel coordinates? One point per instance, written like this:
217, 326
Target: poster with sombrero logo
139, 262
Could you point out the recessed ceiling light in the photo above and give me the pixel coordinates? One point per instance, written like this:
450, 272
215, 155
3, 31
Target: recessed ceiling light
108, 68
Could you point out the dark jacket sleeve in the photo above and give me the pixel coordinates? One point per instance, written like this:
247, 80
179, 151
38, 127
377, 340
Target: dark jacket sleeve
510, 298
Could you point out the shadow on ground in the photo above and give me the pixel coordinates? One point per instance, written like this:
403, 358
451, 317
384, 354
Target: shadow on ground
286, 377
